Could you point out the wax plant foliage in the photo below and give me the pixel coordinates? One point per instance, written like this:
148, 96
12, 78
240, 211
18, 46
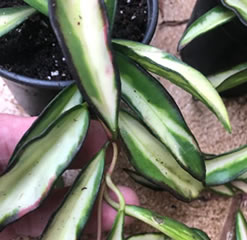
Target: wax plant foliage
160, 146
225, 26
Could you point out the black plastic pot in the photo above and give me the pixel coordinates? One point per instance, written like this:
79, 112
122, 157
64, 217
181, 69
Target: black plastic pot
219, 49
34, 94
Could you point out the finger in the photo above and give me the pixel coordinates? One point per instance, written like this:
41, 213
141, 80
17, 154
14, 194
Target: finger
34, 223
109, 213
12, 129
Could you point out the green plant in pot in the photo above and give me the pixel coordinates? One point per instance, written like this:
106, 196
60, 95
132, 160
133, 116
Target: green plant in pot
33, 44
215, 44
160, 146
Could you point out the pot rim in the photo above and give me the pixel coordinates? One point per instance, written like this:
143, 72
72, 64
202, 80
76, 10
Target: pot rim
153, 10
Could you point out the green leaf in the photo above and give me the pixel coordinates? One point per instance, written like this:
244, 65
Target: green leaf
10, 18
224, 190
168, 226
153, 160
203, 235
243, 176
241, 226
117, 230
212, 19
137, 177
233, 81
186, 77
240, 185
226, 167
40, 5
149, 236
111, 6
239, 7
64, 101
83, 33
69, 221
40, 163
229, 78
156, 108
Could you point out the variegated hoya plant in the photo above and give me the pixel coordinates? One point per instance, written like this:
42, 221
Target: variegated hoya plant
160, 146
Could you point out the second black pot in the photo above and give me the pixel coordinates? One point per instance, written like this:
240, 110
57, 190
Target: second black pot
217, 50
34, 94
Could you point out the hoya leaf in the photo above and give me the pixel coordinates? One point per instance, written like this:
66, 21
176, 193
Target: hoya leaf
156, 108
111, 6
226, 167
173, 229
218, 79
88, 53
40, 5
202, 234
212, 19
117, 230
208, 156
233, 81
142, 180
241, 226
149, 236
240, 185
224, 190
153, 160
40, 163
239, 7
186, 77
65, 100
10, 18
243, 176
68, 222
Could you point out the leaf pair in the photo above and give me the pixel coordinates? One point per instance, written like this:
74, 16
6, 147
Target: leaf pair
28, 164
53, 140
65, 100
60, 142
154, 161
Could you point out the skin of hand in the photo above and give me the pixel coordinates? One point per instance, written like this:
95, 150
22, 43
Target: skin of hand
11, 131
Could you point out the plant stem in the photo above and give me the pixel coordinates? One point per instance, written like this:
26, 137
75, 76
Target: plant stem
114, 159
109, 181
110, 201
115, 189
99, 211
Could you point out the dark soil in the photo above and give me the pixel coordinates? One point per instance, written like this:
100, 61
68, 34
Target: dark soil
32, 49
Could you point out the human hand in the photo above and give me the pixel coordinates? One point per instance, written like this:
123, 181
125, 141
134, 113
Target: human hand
12, 129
